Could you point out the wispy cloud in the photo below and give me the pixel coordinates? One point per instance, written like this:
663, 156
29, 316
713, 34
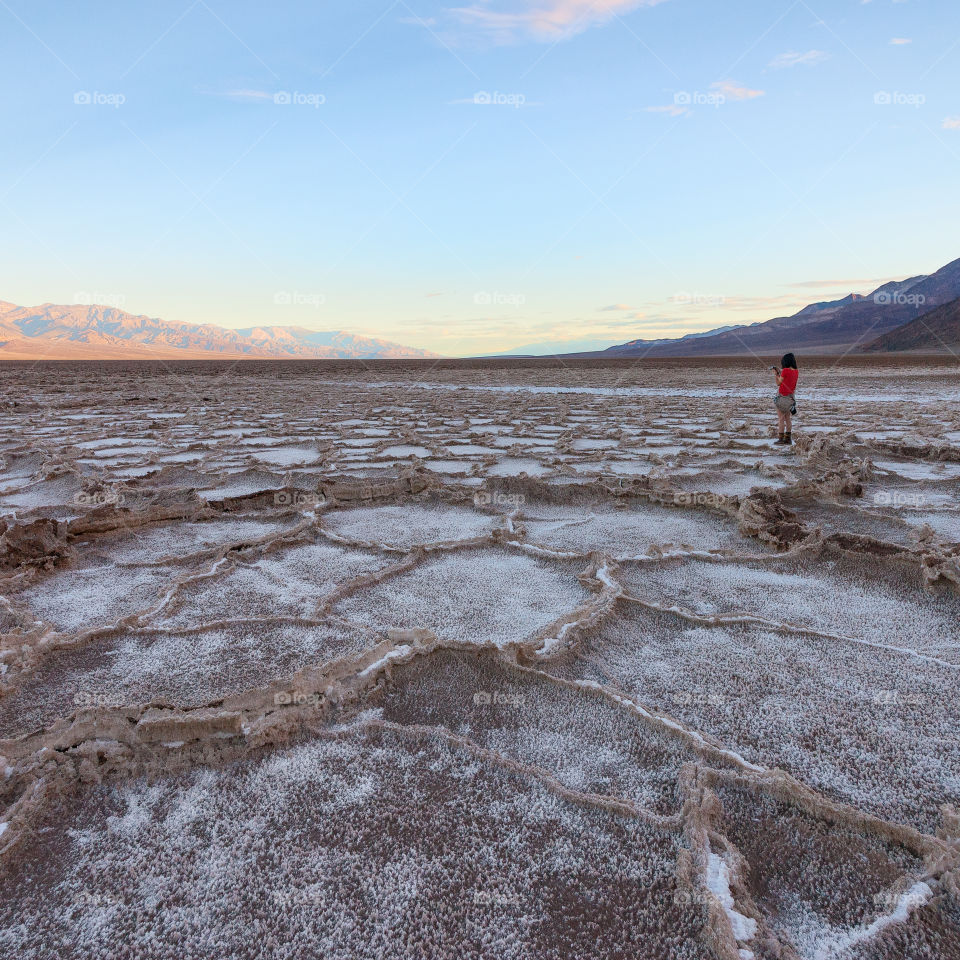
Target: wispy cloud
792, 59
540, 20
721, 92
755, 304
693, 303
672, 109
900, 41
628, 312
951, 123
735, 91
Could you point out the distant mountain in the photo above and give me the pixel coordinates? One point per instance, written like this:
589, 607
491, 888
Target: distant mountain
327, 343
826, 327
933, 332
565, 348
95, 332
555, 348
645, 345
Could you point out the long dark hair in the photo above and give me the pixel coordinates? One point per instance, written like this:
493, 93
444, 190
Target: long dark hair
788, 361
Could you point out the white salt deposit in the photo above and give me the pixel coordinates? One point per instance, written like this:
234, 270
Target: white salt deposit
562, 663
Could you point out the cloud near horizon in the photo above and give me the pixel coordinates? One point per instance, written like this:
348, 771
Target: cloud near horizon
733, 90
543, 21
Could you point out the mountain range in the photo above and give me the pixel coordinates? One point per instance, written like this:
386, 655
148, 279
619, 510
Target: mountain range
862, 323
567, 347
919, 314
934, 331
77, 332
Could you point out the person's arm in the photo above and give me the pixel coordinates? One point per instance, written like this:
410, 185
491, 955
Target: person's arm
779, 374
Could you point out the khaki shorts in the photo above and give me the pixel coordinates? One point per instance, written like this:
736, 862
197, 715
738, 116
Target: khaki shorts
783, 403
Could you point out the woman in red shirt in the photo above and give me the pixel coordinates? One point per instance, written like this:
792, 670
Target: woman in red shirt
784, 401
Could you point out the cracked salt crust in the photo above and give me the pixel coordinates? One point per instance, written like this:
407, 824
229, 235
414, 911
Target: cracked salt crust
403, 527
808, 680
469, 597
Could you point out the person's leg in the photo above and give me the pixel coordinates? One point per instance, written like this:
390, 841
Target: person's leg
780, 428
787, 423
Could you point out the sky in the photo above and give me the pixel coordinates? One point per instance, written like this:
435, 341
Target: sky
476, 178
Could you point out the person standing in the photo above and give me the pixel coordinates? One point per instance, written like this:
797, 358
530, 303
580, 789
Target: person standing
784, 401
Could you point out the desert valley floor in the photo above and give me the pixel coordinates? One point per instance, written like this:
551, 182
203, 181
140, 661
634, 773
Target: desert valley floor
479, 660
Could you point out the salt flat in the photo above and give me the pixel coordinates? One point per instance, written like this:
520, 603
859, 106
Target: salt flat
484, 659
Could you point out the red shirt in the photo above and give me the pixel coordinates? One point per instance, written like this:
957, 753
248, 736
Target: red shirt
789, 381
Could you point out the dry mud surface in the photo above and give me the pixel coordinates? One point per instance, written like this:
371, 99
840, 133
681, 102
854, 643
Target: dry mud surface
480, 660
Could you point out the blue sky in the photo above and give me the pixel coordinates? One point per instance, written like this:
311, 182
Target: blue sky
479, 177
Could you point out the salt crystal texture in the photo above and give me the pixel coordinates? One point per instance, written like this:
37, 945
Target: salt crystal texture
541, 661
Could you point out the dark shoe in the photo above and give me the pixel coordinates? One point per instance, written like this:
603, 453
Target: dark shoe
779, 442
787, 439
